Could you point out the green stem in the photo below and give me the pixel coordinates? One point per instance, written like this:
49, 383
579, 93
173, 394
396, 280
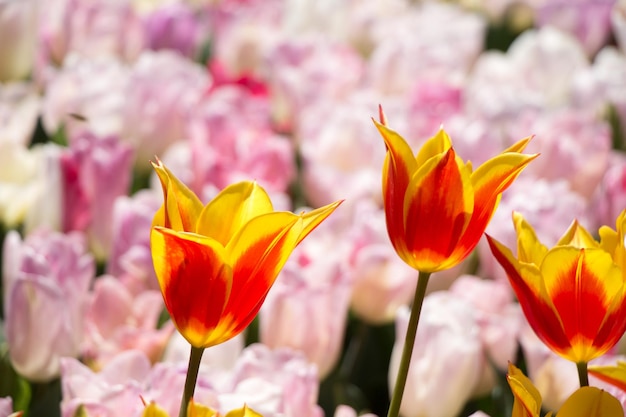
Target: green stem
409, 341
190, 381
583, 376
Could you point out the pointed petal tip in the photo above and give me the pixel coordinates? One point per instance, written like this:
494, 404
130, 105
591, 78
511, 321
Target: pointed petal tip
381, 115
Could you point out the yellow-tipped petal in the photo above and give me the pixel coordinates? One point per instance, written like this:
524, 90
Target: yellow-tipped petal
181, 207
153, 410
245, 411
519, 146
436, 145
529, 248
591, 402
527, 402
199, 410
614, 375
231, 209
577, 236
313, 218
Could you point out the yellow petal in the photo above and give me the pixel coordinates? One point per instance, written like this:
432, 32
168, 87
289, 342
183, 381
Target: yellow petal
243, 412
313, 218
153, 410
527, 402
199, 410
519, 146
577, 236
591, 402
529, 249
181, 206
436, 145
231, 209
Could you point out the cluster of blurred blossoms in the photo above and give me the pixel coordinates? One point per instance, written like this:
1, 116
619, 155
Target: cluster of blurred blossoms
282, 92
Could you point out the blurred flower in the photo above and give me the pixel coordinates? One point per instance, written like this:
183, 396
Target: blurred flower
95, 89
609, 75
499, 322
95, 171
163, 89
223, 356
579, 276
447, 357
46, 283
381, 281
440, 53
230, 121
113, 391
89, 28
618, 21
173, 26
6, 406
130, 258
18, 29
610, 197
116, 321
275, 383
307, 307
347, 411
574, 145
19, 109
589, 21
436, 207
18, 181
235, 260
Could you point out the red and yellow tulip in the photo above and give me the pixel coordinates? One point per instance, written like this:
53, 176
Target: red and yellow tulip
216, 263
573, 295
437, 207
584, 402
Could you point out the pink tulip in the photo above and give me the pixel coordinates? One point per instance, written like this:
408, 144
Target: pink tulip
306, 310
274, 383
610, 197
116, 321
229, 122
19, 109
46, 282
95, 171
447, 357
164, 88
347, 411
588, 20
618, 21
130, 259
381, 281
174, 26
6, 406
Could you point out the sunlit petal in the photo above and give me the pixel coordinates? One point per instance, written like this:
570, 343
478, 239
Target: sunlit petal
591, 402
529, 248
527, 400
195, 280
181, 207
434, 221
231, 209
614, 375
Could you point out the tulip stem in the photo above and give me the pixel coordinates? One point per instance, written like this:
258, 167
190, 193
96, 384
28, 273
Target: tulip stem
583, 376
409, 341
190, 381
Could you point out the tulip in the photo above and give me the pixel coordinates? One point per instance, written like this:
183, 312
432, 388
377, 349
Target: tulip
216, 263
573, 295
437, 208
585, 402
